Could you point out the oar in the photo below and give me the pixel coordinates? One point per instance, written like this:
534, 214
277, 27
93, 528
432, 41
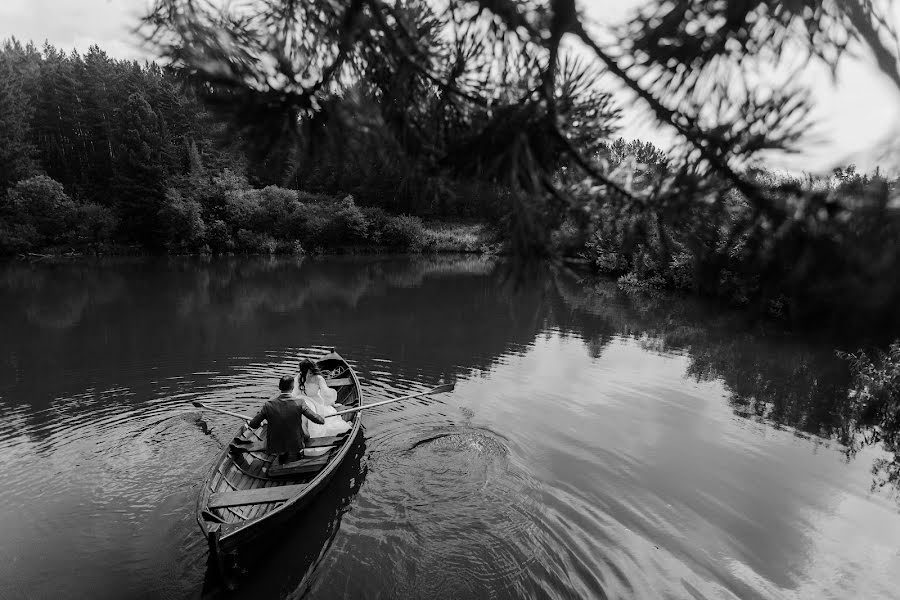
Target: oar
199, 404
447, 387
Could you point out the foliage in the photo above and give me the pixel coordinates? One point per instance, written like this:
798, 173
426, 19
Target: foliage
404, 231
486, 91
219, 238
347, 225
873, 412
255, 242
146, 165
16, 149
93, 225
181, 223
409, 102
832, 258
38, 212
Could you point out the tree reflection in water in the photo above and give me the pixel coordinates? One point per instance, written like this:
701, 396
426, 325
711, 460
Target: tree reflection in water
770, 375
95, 323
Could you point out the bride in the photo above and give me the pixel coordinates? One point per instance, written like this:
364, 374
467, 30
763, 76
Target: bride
312, 388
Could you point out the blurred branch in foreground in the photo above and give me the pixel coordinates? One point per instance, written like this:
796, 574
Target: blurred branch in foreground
487, 91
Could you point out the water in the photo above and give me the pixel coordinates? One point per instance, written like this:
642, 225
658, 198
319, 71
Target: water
597, 445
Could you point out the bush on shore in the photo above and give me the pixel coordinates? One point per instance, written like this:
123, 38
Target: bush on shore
36, 214
873, 412
833, 253
223, 214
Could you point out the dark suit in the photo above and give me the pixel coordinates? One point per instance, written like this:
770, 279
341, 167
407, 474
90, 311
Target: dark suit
285, 434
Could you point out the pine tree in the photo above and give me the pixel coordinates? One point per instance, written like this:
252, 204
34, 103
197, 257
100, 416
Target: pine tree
138, 185
16, 148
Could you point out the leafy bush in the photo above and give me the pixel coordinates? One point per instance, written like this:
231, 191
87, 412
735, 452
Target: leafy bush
219, 238
229, 181
312, 199
378, 220
181, 223
242, 208
94, 224
406, 232
347, 225
272, 210
18, 238
40, 203
681, 271
605, 254
254, 242
875, 409
277, 206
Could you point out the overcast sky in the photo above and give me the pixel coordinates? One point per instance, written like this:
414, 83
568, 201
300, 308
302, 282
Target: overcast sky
854, 114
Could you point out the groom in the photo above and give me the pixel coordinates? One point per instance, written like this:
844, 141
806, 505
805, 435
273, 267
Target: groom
285, 435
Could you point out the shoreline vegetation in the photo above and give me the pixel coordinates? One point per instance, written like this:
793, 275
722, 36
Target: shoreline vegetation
105, 156
418, 237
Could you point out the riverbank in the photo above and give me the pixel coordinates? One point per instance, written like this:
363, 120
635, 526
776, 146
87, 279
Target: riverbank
435, 237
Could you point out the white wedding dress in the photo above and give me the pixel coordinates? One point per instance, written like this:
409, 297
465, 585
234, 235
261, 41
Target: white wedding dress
320, 398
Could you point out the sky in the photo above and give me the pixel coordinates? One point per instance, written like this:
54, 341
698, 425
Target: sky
855, 113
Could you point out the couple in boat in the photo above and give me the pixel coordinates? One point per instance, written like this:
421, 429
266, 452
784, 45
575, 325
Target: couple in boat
298, 413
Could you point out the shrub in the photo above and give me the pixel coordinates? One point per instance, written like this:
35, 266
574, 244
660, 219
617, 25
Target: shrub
873, 414
681, 271
181, 223
404, 231
254, 242
242, 208
229, 181
347, 225
568, 239
631, 281
378, 220
94, 224
604, 254
17, 237
276, 207
312, 199
39, 203
219, 238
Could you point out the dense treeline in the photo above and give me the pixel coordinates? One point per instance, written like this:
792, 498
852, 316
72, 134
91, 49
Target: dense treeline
98, 153
112, 133
831, 260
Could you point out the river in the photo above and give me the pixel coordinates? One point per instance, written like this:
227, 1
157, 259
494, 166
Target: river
597, 445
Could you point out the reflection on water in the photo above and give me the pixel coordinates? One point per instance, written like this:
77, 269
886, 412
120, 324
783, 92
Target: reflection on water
290, 562
596, 445
787, 381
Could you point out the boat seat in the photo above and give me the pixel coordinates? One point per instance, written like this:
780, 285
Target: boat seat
338, 382
330, 440
298, 467
242, 445
255, 496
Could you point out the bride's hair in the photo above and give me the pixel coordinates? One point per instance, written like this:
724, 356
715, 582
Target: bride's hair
306, 367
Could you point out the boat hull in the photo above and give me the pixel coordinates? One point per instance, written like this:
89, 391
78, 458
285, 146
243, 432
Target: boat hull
229, 512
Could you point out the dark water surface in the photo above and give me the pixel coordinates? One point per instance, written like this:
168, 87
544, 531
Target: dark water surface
596, 445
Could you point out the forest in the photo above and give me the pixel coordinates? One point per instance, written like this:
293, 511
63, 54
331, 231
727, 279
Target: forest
104, 155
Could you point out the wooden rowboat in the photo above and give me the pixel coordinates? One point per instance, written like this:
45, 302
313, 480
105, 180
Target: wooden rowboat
248, 493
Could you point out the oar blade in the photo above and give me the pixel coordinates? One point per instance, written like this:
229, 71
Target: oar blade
197, 404
447, 387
